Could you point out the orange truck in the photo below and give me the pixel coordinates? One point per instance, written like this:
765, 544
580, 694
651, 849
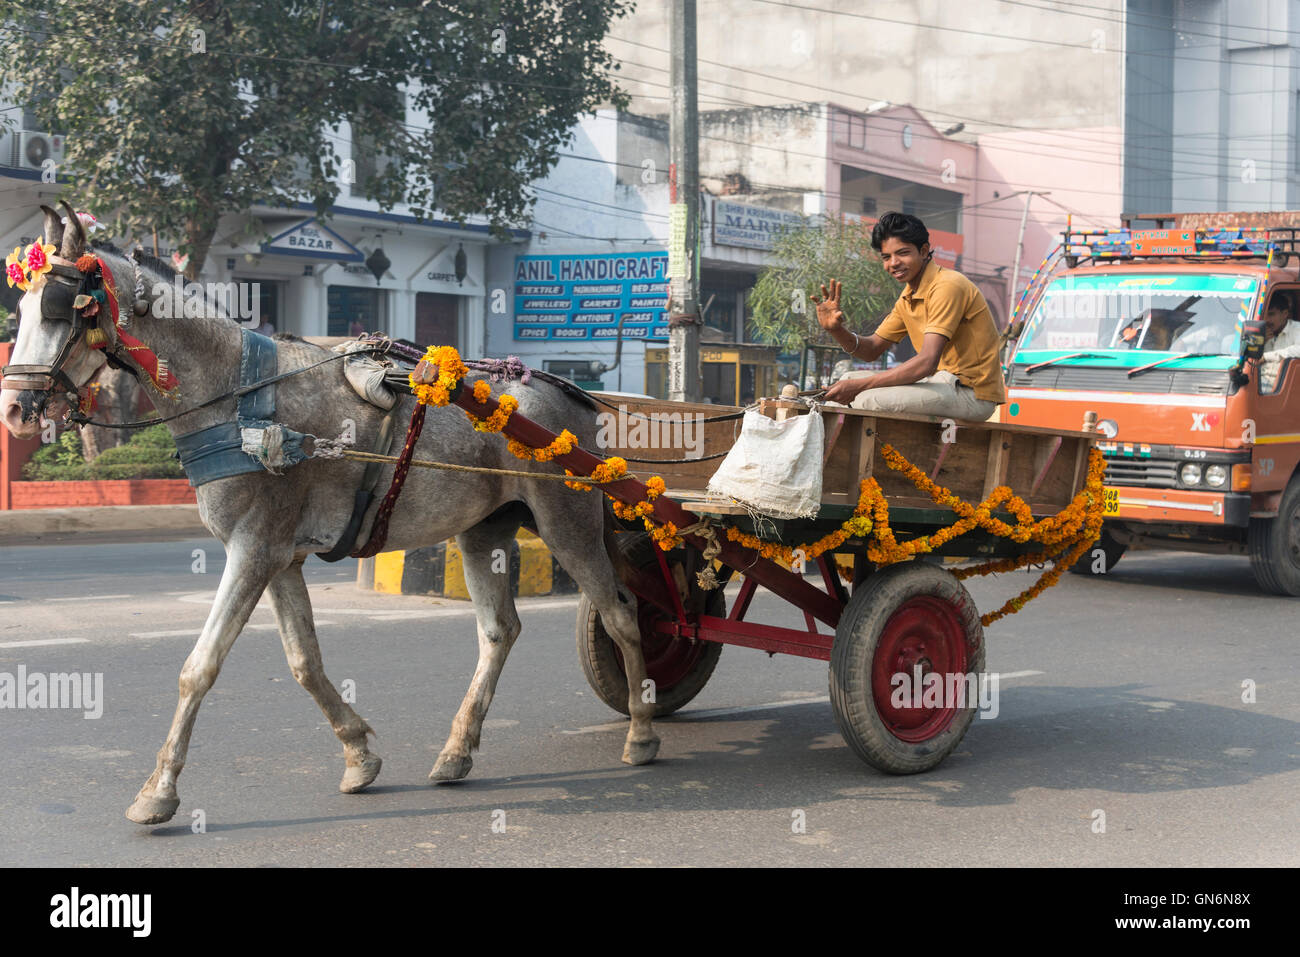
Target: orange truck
1161, 332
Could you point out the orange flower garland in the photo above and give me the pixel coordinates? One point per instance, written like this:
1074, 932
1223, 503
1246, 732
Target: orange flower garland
562, 444
450, 371
495, 422
859, 525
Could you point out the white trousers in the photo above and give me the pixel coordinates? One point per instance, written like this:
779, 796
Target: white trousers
939, 394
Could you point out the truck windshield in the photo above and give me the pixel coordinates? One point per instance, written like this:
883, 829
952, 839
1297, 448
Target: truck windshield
1199, 314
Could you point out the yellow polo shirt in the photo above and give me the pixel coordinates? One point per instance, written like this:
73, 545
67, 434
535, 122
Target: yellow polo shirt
947, 303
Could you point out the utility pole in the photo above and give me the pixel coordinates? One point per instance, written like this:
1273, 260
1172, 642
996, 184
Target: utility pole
684, 380
1020, 243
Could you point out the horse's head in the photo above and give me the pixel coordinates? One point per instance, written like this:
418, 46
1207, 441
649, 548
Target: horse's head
52, 358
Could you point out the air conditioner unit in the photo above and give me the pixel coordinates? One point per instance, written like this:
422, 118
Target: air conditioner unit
35, 148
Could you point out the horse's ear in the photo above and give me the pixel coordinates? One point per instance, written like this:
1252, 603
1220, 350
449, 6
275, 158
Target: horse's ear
74, 235
52, 232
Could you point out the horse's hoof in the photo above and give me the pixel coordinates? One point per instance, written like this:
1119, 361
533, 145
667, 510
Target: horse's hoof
152, 810
450, 768
640, 752
358, 778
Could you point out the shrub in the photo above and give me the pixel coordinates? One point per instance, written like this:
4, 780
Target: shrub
149, 454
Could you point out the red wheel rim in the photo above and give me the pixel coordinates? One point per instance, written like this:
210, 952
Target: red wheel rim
668, 658
924, 632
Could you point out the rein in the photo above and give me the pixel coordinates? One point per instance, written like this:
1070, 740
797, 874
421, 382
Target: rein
80, 419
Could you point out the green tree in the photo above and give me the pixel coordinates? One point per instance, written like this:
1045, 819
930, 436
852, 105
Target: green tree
180, 112
802, 259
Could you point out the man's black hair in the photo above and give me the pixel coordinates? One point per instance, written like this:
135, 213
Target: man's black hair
1286, 300
903, 226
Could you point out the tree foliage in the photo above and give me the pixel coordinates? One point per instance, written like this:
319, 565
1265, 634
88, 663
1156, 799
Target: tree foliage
180, 112
803, 259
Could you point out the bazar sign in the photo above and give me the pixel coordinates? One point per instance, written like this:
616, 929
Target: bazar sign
754, 227
311, 240
583, 297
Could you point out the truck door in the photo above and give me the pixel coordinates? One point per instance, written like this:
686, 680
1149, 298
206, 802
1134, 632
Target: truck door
1277, 406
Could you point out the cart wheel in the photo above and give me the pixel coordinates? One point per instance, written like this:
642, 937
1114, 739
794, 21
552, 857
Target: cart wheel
1274, 545
906, 615
1111, 552
679, 667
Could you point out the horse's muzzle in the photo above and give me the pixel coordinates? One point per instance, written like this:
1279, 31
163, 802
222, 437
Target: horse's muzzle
21, 410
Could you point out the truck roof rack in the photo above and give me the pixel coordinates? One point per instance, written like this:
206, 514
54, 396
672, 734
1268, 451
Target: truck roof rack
1213, 242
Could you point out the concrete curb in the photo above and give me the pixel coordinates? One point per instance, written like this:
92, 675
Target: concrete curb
439, 570
45, 526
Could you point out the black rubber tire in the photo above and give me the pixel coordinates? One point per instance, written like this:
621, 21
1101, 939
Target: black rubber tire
602, 665
1274, 545
852, 655
1110, 549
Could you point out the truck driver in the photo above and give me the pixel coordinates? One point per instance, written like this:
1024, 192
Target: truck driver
956, 372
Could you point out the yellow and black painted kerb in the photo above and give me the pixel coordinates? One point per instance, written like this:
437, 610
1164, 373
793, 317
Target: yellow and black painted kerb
440, 570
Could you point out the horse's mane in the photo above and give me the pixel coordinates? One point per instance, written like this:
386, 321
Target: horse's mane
140, 265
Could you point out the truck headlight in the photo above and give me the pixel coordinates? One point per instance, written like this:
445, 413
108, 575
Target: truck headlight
1190, 474
1216, 476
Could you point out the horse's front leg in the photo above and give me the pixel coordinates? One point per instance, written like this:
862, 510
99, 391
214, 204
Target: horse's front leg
248, 570
292, 607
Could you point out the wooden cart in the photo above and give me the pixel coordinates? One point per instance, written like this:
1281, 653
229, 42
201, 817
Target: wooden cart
911, 618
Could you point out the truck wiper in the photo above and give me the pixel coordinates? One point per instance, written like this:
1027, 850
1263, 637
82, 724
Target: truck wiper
1160, 362
1074, 355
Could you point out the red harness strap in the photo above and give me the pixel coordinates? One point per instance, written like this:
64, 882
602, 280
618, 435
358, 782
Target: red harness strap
379, 531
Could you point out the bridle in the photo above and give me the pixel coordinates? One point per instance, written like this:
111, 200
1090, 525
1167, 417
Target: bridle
64, 283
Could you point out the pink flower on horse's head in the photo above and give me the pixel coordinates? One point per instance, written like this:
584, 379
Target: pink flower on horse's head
14, 271
38, 257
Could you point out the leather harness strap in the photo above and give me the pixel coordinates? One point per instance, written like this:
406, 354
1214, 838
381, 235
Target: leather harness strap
379, 530
363, 497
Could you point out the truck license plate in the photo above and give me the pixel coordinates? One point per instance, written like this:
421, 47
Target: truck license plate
1110, 501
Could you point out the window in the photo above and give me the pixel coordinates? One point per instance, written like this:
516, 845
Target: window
267, 298
857, 132
354, 310
868, 205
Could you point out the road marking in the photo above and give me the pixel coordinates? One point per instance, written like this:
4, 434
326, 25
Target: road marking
43, 641
90, 597
195, 632
709, 713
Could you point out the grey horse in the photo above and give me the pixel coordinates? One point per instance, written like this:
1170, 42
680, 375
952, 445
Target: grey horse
270, 524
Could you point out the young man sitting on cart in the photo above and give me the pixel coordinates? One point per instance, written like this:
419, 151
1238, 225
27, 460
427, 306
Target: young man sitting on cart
956, 372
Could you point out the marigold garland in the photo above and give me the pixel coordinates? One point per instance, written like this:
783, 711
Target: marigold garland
859, 525
495, 422
450, 371
1065, 535
562, 444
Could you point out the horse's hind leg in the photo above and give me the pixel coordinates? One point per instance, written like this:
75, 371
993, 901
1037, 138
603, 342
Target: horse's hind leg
581, 551
486, 551
248, 570
292, 607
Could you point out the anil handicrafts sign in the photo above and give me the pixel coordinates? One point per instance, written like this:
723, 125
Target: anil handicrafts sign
583, 297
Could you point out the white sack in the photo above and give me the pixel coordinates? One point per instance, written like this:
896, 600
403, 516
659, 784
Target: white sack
775, 467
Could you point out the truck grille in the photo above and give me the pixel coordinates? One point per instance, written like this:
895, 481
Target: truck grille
1185, 381
1148, 472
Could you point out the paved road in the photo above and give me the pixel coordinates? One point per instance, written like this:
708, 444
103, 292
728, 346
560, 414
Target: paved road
1125, 696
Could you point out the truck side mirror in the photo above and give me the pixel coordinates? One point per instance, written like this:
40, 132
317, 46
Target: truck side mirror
1253, 334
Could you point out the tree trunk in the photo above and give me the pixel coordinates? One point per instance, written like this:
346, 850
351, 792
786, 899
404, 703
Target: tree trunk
119, 398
